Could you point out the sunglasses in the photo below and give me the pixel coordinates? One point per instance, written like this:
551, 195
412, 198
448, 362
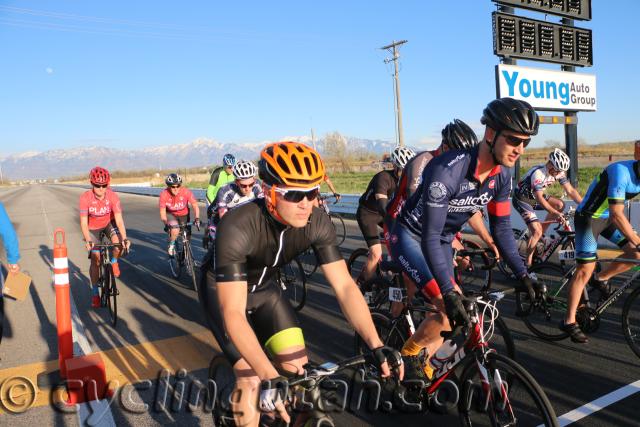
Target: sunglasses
296, 196
99, 186
247, 185
515, 141
174, 186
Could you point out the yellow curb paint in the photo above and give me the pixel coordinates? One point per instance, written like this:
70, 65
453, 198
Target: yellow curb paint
124, 365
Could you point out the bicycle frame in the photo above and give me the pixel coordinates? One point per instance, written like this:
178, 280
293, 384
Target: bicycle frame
602, 306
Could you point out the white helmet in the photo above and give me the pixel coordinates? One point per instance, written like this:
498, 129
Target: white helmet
401, 155
244, 169
559, 160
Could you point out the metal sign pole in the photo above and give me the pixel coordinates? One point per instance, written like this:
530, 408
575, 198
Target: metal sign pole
571, 128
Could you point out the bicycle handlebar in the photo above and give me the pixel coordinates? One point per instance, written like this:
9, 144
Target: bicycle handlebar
185, 225
481, 251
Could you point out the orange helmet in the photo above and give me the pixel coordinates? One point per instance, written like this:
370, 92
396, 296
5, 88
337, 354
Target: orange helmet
290, 164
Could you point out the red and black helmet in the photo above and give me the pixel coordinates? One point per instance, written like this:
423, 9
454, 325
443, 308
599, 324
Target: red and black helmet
99, 176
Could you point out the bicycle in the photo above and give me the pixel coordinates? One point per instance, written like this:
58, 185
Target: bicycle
358, 259
399, 328
183, 256
545, 248
107, 280
304, 394
493, 386
473, 271
293, 282
543, 315
308, 258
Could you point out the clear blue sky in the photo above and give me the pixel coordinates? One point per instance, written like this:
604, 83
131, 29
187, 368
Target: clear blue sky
132, 74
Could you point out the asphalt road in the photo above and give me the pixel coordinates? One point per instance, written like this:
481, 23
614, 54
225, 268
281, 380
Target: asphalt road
161, 326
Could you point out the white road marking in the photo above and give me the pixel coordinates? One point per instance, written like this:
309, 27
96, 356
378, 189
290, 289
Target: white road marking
598, 404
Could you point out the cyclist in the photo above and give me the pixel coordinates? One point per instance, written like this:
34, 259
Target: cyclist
101, 215
244, 189
372, 207
175, 200
529, 196
454, 186
456, 135
602, 213
244, 304
220, 176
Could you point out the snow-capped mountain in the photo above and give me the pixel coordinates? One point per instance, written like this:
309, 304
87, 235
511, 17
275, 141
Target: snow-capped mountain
201, 152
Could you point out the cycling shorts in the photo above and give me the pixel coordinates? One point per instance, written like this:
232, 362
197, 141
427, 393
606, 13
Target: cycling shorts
406, 251
587, 231
269, 313
173, 220
526, 208
109, 231
369, 221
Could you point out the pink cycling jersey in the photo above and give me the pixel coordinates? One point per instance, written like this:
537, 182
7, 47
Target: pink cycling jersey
99, 211
178, 205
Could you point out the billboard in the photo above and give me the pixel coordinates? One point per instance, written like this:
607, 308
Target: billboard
546, 89
519, 37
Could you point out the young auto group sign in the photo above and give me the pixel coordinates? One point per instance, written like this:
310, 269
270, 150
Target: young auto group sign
548, 90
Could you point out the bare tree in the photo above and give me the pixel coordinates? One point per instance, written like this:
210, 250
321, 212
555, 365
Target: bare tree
335, 146
552, 143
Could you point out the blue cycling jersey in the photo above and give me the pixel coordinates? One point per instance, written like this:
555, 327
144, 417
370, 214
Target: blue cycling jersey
450, 193
618, 182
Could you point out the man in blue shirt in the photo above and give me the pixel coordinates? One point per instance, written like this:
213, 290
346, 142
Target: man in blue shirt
454, 186
602, 213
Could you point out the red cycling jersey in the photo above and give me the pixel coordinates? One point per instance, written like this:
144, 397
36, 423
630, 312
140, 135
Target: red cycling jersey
178, 205
99, 211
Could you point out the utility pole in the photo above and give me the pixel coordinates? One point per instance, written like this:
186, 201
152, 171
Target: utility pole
313, 139
396, 55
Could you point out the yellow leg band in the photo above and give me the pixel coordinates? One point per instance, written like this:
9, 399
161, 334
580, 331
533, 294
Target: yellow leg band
283, 340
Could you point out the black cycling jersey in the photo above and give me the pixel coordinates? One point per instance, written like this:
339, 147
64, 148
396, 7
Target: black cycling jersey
251, 244
384, 182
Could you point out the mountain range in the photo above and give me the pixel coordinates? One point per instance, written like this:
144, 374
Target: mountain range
200, 152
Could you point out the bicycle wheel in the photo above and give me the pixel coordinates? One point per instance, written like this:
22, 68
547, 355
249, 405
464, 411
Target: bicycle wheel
341, 228
222, 379
392, 334
308, 261
470, 273
519, 401
294, 283
357, 261
176, 261
631, 321
111, 295
544, 318
522, 250
102, 285
189, 263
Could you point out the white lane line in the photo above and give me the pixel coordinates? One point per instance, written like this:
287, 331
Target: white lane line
81, 346
598, 404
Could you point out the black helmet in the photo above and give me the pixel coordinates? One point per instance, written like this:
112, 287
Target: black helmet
457, 135
511, 114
